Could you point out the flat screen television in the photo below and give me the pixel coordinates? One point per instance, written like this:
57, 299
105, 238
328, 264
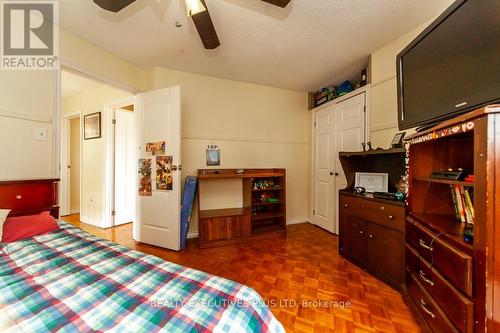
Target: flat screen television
452, 67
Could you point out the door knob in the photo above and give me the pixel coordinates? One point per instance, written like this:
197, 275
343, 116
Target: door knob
331, 173
174, 167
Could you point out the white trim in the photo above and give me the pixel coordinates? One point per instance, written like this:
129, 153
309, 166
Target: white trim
79, 70
65, 189
109, 161
298, 221
26, 116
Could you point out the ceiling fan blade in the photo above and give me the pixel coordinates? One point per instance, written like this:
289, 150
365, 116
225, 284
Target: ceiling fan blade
279, 3
206, 30
113, 5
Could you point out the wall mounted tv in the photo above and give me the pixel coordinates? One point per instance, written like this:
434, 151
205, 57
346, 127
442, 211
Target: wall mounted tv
453, 66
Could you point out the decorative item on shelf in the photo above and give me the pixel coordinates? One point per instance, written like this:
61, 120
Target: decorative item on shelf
364, 77
470, 179
325, 95
402, 185
240, 171
345, 88
372, 182
213, 155
469, 233
397, 141
398, 196
263, 184
450, 174
360, 190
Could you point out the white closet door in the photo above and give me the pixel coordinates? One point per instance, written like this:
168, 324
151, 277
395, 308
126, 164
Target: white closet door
350, 118
340, 127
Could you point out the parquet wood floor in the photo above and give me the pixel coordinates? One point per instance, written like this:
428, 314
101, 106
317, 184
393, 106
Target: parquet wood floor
293, 273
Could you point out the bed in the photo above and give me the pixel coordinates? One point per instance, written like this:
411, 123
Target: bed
68, 280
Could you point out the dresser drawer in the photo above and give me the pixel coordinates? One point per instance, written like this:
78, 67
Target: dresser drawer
455, 265
390, 216
457, 307
430, 310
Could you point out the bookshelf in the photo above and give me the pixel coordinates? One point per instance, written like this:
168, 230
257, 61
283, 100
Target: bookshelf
451, 284
263, 214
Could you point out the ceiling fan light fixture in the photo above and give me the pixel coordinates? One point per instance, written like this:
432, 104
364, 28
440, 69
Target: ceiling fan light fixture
194, 7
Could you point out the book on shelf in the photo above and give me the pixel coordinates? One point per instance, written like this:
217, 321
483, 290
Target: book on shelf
463, 198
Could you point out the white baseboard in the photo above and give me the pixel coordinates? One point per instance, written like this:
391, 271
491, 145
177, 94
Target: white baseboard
194, 234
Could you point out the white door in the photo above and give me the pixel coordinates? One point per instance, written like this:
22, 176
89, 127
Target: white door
324, 182
350, 118
125, 167
340, 127
158, 118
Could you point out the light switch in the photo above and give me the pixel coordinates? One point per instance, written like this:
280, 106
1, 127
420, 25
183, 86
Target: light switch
41, 134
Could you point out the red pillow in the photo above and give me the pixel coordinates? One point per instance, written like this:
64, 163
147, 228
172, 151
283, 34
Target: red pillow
21, 227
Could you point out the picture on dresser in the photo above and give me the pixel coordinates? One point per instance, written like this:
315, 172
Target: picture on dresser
372, 182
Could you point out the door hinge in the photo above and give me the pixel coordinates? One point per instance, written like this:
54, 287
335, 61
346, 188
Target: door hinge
113, 213
114, 121
314, 124
314, 212
364, 109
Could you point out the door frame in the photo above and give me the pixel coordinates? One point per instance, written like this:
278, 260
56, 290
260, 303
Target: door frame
367, 91
65, 183
109, 157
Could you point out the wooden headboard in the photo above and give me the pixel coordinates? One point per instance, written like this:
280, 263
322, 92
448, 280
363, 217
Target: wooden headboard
29, 196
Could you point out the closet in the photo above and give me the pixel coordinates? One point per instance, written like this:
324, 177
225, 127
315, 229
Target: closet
339, 125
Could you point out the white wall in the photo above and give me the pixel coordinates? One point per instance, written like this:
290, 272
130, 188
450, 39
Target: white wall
255, 126
93, 151
27, 102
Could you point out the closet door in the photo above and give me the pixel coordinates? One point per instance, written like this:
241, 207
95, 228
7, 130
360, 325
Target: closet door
350, 134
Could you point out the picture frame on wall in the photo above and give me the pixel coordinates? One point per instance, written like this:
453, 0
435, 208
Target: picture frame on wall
397, 141
92, 126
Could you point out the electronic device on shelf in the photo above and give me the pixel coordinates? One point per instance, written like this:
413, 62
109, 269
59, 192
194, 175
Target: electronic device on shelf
397, 196
449, 174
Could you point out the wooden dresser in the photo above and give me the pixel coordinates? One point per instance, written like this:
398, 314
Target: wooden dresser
454, 285
371, 229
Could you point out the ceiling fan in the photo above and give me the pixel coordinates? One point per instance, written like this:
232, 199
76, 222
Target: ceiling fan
196, 9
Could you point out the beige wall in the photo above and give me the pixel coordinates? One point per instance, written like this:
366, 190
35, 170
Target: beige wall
255, 126
93, 151
75, 165
27, 101
384, 107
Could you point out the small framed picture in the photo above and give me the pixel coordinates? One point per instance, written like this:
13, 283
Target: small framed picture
213, 155
397, 141
372, 182
92, 126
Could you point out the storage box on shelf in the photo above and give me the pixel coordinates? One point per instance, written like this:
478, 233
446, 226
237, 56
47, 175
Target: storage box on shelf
450, 282
263, 214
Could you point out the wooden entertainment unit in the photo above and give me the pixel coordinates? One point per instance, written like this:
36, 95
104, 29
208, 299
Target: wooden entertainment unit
372, 229
263, 214
451, 284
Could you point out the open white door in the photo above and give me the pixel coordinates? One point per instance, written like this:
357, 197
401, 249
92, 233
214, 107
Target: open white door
125, 167
158, 118
324, 180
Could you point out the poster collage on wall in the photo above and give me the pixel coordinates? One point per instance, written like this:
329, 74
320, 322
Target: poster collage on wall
162, 169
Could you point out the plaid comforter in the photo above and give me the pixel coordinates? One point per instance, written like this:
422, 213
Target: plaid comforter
70, 281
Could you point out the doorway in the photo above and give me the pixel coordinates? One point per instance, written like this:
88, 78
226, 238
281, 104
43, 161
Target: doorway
71, 164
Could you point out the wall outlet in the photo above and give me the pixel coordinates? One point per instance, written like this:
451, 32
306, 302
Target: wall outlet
41, 134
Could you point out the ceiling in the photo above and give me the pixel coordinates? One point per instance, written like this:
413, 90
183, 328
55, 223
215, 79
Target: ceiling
72, 84
309, 44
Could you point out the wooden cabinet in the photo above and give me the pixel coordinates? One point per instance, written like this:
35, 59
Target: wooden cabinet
263, 214
372, 240
453, 285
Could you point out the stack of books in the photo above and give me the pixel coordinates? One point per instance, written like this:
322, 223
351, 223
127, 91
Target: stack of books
463, 198
325, 95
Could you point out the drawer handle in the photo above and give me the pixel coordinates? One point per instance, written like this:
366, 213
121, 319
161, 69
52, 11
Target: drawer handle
19, 197
391, 217
424, 245
361, 232
346, 205
371, 236
423, 305
425, 279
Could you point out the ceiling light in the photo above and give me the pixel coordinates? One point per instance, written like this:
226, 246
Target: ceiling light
194, 7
